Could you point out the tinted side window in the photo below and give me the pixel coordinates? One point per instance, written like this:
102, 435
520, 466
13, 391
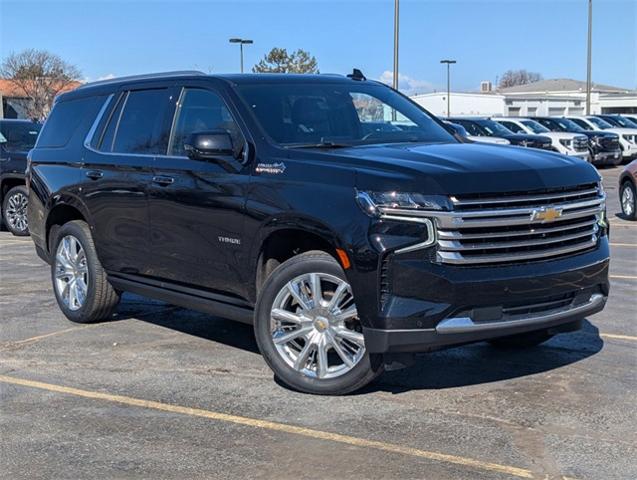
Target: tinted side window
64, 120
138, 130
105, 143
200, 111
471, 127
514, 127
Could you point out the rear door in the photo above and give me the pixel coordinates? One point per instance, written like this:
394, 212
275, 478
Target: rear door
117, 172
197, 207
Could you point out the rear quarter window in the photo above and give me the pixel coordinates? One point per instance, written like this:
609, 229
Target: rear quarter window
65, 118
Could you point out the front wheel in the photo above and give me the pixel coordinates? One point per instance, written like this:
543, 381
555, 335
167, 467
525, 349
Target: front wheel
627, 200
14, 211
308, 330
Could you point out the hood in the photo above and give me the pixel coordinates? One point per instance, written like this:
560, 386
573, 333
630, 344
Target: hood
598, 133
496, 140
563, 135
622, 131
457, 168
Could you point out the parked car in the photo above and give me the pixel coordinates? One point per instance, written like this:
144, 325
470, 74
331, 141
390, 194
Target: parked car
603, 146
631, 117
460, 130
566, 143
260, 198
488, 128
628, 190
618, 120
17, 137
627, 136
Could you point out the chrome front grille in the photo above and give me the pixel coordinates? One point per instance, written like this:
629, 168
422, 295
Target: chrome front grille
580, 144
519, 227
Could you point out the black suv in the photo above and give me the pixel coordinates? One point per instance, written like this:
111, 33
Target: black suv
603, 146
333, 213
17, 137
486, 127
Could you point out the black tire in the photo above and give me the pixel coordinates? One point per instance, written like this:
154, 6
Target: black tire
101, 298
630, 187
310, 262
16, 195
522, 340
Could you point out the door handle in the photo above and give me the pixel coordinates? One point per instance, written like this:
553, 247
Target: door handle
94, 174
163, 181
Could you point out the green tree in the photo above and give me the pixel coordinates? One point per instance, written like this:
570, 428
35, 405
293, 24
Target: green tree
278, 60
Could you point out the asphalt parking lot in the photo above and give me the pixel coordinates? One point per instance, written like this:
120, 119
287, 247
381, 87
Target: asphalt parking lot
163, 392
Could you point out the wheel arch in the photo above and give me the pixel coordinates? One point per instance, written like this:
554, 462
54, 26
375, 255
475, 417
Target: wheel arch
282, 240
65, 210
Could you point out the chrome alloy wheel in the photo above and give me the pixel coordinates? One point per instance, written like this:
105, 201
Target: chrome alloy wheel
71, 273
315, 326
16, 212
628, 201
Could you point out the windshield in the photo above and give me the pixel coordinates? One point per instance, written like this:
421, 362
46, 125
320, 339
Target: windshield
19, 136
599, 123
535, 126
315, 114
493, 128
566, 125
620, 122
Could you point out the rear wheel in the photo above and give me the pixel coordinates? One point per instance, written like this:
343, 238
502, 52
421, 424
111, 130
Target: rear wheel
80, 284
308, 330
14, 211
522, 340
627, 199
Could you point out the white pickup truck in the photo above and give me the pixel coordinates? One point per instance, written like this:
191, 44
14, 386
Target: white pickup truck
627, 136
566, 143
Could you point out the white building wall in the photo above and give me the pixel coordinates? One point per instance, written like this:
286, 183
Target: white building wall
462, 103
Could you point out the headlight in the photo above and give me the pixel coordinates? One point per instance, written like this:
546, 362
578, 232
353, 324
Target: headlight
568, 143
376, 203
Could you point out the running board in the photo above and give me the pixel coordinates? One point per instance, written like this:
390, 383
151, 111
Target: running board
201, 301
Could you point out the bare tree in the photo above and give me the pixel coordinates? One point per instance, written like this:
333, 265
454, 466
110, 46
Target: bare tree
511, 78
41, 75
280, 61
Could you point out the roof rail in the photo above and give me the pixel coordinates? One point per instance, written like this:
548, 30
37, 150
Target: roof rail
146, 76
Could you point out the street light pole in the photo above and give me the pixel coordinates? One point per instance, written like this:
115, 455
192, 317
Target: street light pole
396, 27
241, 42
589, 59
448, 62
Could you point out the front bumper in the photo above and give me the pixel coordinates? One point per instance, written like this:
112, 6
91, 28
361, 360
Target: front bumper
433, 306
605, 158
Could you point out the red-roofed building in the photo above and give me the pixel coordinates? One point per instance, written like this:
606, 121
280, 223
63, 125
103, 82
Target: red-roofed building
13, 100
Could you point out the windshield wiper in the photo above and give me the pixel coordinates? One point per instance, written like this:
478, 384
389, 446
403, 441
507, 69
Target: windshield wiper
319, 145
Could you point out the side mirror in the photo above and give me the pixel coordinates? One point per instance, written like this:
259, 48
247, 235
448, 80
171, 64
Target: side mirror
209, 145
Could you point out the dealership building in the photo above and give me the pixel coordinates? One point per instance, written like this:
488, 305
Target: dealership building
546, 97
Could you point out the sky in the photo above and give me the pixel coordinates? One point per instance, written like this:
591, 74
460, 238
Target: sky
116, 38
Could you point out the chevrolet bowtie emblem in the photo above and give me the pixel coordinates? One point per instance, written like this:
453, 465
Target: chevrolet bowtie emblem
546, 214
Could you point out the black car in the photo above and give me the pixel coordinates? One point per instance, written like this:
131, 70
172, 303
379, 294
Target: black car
603, 146
17, 137
618, 121
486, 127
268, 200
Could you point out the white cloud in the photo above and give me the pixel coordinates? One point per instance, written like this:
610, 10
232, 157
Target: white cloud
406, 84
108, 76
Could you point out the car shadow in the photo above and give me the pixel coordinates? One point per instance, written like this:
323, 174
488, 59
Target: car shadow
455, 367
482, 363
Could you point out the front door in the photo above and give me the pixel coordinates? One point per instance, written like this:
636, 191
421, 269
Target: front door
197, 207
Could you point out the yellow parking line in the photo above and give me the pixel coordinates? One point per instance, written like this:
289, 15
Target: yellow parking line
280, 427
618, 337
623, 244
624, 277
52, 334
